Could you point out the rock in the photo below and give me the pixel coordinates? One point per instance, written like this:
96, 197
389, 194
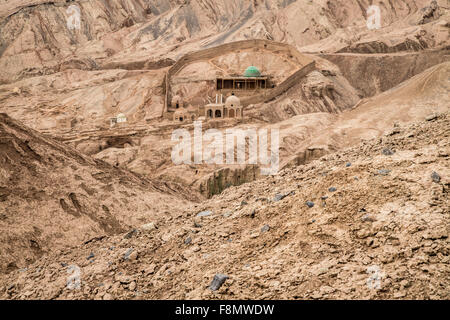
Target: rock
130, 234
435, 177
151, 269
324, 197
388, 152
243, 203
227, 214
133, 256
127, 254
399, 295
265, 228
204, 213
332, 189
327, 73
393, 132
149, 227
431, 117
384, 172
196, 249
122, 279
197, 225
367, 218
281, 196
327, 289
348, 164
310, 204
254, 235
188, 240
132, 286
107, 296
218, 281
92, 255
405, 283
363, 234
166, 237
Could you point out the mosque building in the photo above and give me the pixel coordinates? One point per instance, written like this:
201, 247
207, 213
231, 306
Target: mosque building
230, 108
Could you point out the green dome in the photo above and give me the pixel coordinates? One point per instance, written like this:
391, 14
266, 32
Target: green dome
252, 72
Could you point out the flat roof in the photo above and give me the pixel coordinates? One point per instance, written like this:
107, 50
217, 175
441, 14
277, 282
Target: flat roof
242, 78
215, 104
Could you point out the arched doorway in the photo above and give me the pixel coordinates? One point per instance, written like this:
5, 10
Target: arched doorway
218, 114
181, 119
231, 113
210, 114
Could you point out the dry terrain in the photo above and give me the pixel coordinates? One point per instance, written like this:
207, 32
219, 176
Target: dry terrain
362, 111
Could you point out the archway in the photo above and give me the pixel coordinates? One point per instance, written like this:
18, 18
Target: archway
181, 119
218, 114
231, 113
210, 113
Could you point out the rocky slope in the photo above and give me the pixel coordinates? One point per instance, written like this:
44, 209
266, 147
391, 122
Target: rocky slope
35, 38
369, 222
309, 125
115, 197
51, 196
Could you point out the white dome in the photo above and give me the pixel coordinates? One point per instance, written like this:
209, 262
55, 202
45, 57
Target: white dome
181, 111
232, 102
121, 118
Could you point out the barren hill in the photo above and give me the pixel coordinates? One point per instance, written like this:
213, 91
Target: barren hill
51, 196
315, 231
361, 110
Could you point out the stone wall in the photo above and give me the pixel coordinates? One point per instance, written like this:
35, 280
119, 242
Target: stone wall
281, 88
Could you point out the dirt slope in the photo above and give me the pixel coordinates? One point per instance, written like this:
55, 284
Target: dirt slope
137, 34
389, 212
68, 83
309, 125
52, 197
